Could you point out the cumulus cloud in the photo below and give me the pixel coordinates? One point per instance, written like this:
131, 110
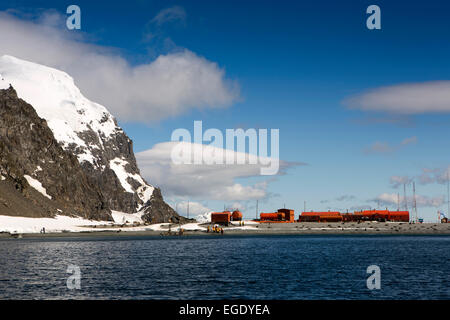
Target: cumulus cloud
202, 181
167, 86
409, 98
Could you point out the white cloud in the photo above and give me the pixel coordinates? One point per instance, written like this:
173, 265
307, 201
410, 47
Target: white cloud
411, 140
427, 176
379, 147
438, 175
212, 182
391, 199
384, 147
195, 208
409, 98
397, 181
175, 13
346, 197
170, 85
241, 206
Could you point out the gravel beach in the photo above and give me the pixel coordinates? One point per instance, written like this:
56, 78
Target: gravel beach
252, 228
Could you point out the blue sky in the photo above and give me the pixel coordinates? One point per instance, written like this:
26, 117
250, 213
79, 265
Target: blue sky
296, 62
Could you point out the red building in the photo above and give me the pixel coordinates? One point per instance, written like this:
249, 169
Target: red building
273, 216
327, 216
236, 216
382, 215
289, 215
366, 215
221, 217
400, 216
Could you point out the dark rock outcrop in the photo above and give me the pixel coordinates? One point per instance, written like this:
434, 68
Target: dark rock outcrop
104, 150
157, 211
28, 148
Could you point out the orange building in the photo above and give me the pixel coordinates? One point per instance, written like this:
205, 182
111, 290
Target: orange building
236, 216
382, 215
221, 217
273, 216
289, 215
282, 215
401, 216
327, 216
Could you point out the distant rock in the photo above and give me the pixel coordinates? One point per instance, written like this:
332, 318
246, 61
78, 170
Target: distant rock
157, 211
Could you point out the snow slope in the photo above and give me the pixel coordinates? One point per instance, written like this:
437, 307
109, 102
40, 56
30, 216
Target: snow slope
81, 126
55, 98
204, 218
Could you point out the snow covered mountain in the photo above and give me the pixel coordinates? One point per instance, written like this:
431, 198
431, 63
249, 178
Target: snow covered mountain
86, 130
83, 127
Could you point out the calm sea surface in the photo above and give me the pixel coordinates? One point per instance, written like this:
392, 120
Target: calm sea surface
269, 267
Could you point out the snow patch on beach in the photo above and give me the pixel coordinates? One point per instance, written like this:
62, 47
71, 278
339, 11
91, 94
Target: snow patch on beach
123, 218
35, 225
242, 228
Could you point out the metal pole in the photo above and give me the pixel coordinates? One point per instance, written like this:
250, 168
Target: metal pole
415, 203
448, 193
256, 209
404, 196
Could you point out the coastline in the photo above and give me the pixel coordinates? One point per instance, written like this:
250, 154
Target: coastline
263, 229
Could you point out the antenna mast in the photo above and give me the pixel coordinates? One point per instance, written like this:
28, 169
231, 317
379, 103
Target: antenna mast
415, 203
404, 196
256, 209
188, 209
448, 192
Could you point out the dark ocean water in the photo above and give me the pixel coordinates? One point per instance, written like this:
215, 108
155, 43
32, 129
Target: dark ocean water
270, 267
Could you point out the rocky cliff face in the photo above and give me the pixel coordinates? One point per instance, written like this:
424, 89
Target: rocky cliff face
82, 129
31, 159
